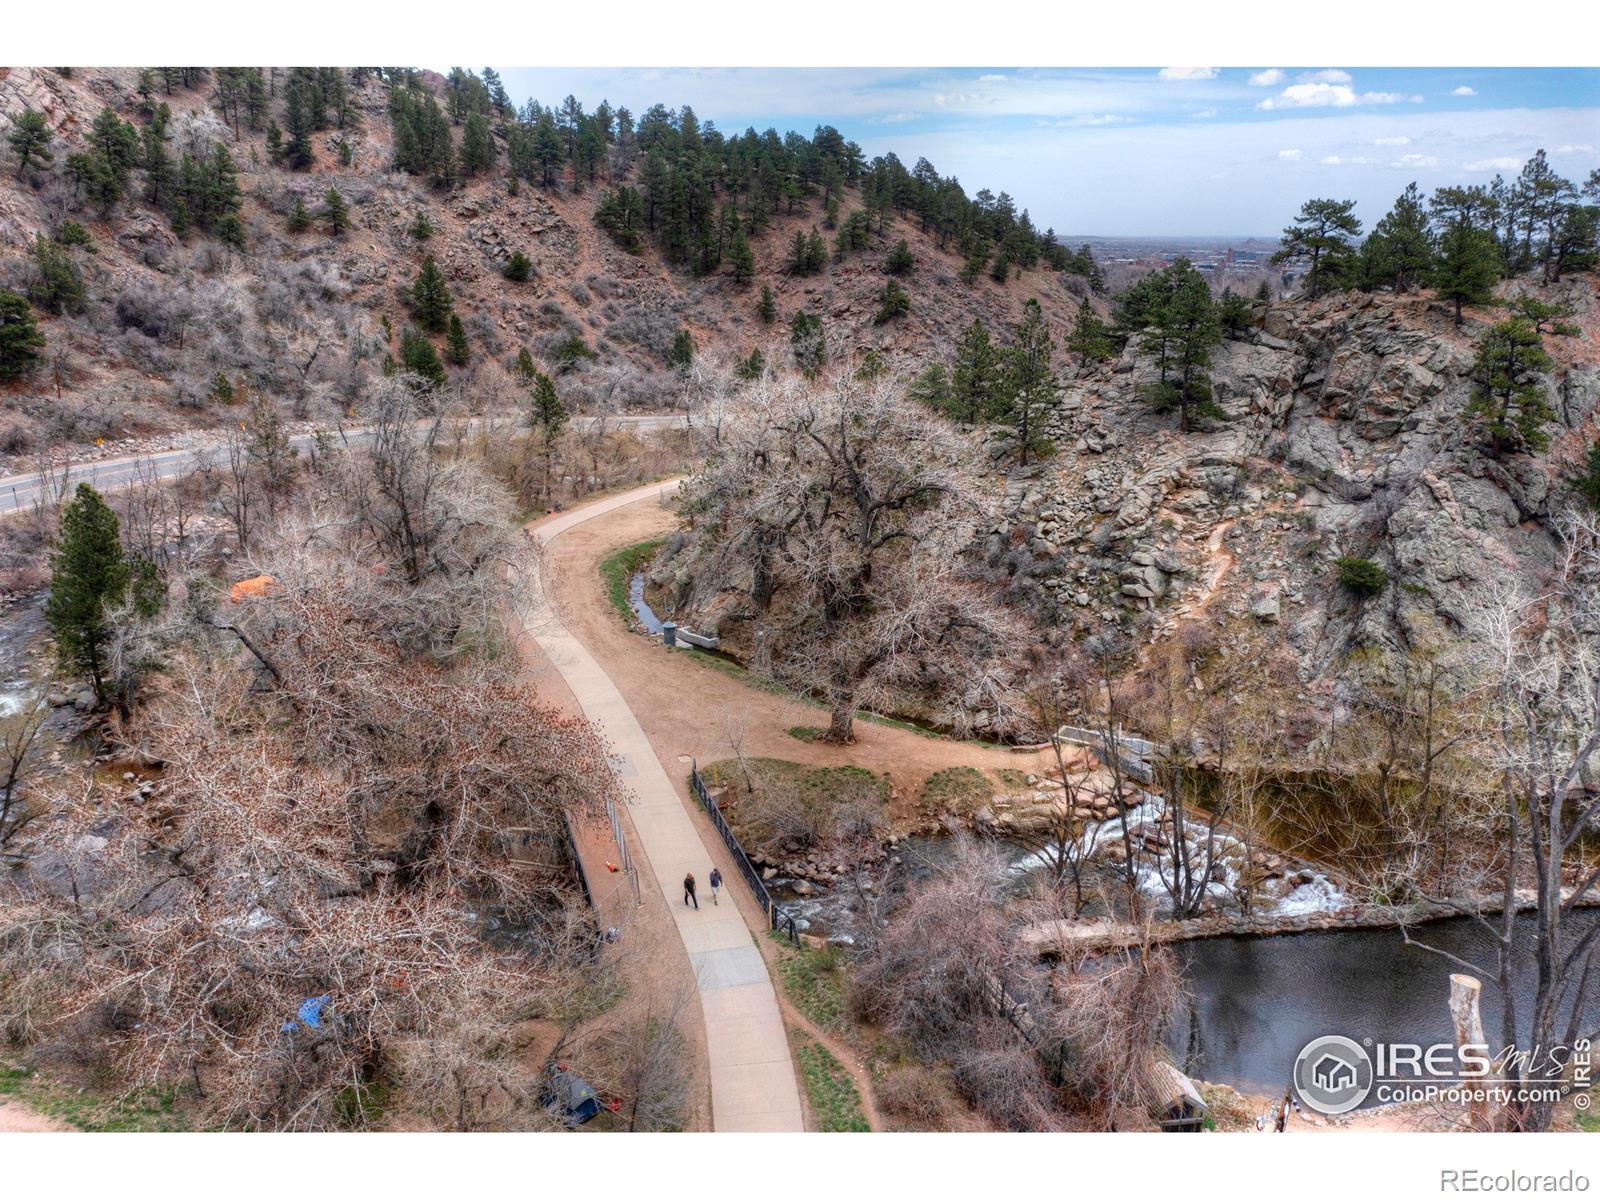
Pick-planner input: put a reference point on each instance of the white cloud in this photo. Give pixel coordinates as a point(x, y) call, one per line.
point(1493, 164)
point(1400, 140)
point(1339, 160)
point(899, 118)
point(1327, 76)
point(1328, 95)
point(1582, 148)
point(1291, 155)
point(1084, 120)
point(993, 78)
point(1464, 90)
point(1271, 77)
point(1415, 160)
point(1186, 74)
point(1202, 114)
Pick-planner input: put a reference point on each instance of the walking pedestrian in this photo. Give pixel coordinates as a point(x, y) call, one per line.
point(688, 891)
point(716, 884)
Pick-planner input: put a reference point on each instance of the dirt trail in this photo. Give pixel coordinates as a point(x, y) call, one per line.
point(1221, 559)
point(685, 706)
point(16, 1117)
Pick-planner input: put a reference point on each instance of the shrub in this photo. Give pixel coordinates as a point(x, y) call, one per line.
point(74, 234)
point(518, 268)
point(1361, 576)
point(900, 261)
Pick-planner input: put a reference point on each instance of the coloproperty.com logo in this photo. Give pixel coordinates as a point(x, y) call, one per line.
point(1334, 1074)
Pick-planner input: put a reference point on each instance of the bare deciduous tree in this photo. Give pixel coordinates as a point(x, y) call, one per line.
point(848, 513)
point(1540, 745)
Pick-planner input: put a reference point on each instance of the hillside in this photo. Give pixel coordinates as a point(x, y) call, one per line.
point(301, 316)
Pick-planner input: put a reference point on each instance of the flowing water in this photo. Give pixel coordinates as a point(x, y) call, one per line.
point(641, 607)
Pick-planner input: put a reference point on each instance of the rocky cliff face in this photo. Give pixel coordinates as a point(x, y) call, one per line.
point(1345, 435)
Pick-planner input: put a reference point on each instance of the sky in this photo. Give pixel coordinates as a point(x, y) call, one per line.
point(1174, 151)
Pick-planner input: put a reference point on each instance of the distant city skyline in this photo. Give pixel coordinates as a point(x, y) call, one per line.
point(1175, 151)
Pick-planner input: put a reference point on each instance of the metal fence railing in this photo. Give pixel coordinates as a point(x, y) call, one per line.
point(625, 859)
point(776, 917)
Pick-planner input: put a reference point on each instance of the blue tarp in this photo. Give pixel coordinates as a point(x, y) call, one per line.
point(310, 1013)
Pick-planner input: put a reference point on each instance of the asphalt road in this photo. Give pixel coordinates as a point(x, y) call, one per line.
point(20, 492)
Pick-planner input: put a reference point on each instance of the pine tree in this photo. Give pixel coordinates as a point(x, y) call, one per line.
point(20, 337)
point(430, 298)
point(1030, 381)
point(807, 342)
point(230, 231)
point(57, 285)
point(900, 261)
point(456, 351)
point(1233, 313)
point(932, 388)
point(518, 267)
point(525, 368)
point(1468, 267)
point(1183, 327)
point(1400, 251)
point(89, 575)
point(274, 144)
point(477, 146)
point(1323, 231)
point(1090, 340)
point(1509, 403)
point(160, 180)
point(767, 307)
point(335, 212)
point(740, 256)
point(893, 302)
point(299, 154)
point(816, 253)
point(419, 357)
point(682, 352)
point(30, 141)
point(976, 382)
point(421, 227)
point(299, 220)
point(1587, 482)
point(752, 366)
point(871, 367)
point(547, 417)
point(1000, 272)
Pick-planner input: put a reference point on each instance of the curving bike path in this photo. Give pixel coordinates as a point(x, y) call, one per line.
point(752, 1077)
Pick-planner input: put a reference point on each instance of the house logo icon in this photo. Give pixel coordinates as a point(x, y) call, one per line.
point(1332, 1075)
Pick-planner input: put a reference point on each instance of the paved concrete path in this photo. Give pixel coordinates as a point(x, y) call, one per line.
point(752, 1077)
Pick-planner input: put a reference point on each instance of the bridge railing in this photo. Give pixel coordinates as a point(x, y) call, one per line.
point(776, 917)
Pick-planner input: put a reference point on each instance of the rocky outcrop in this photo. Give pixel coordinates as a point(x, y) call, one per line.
point(1345, 434)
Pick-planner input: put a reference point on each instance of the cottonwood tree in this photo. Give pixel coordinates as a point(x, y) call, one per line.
point(1053, 689)
point(1539, 739)
point(847, 513)
point(19, 734)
